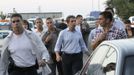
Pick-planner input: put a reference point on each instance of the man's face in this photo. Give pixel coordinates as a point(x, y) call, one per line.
point(50, 23)
point(97, 23)
point(79, 20)
point(17, 25)
point(38, 23)
point(25, 25)
point(102, 21)
point(72, 23)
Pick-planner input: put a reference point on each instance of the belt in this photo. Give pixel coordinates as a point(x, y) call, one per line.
point(24, 68)
point(72, 54)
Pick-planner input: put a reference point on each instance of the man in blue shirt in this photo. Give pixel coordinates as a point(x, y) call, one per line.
point(72, 46)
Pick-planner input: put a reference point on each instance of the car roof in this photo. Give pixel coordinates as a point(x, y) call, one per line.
point(123, 47)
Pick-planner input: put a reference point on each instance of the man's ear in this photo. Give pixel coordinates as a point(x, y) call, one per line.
point(107, 20)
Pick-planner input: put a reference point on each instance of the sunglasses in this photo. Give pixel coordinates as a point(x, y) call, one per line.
point(15, 21)
point(73, 21)
point(49, 22)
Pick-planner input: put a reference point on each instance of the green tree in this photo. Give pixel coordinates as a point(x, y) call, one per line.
point(124, 8)
point(2, 15)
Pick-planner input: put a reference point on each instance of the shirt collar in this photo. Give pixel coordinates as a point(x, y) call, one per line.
point(68, 29)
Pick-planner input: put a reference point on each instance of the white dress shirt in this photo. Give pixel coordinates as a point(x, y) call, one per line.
point(77, 28)
point(20, 48)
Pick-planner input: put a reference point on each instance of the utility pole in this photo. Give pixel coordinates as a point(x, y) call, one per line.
point(14, 11)
point(92, 5)
point(98, 5)
point(39, 9)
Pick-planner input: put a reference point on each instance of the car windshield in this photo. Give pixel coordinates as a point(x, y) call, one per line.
point(129, 66)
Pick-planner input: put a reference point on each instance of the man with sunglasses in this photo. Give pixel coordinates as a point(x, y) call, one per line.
point(23, 51)
point(71, 44)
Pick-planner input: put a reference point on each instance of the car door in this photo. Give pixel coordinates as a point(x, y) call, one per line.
point(109, 63)
point(128, 66)
point(100, 58)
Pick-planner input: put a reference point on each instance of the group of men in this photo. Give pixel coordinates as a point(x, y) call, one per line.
point(58, 48)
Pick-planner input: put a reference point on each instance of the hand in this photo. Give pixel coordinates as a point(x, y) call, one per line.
point(102, 36)
point(87, 53)
point(42, 63)
point(58, 58)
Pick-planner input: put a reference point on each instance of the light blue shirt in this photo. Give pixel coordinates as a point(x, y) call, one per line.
point(119, 24)
point(70, 42)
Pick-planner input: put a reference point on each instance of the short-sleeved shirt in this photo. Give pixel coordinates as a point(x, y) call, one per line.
point(114, 33)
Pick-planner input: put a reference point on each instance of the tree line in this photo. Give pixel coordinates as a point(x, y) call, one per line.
point(124, 8)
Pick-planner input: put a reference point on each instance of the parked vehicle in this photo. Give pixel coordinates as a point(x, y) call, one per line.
point(91, 21)
point(5, 26)
point(114, 57)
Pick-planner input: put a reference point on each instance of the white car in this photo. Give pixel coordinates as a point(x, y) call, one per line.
point(114, 57)
point(3, 35)
point(91, 21)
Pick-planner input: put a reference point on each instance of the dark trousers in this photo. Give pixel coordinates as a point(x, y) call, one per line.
point(54, 65)
point(24, 71)
point(72, 63)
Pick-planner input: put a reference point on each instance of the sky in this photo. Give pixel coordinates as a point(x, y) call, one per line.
point(68, 7)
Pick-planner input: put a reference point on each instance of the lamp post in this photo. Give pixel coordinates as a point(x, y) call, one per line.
point(92, 5)
point(98, 5)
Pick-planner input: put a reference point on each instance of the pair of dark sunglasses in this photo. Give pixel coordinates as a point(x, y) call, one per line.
point(15, 21)
point(73, 20)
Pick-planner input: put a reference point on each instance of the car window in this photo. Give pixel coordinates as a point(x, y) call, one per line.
point(95, 64)
point(129, 66)
point(90, 19)
point(110, 62)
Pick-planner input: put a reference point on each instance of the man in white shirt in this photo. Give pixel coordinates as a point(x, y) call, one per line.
point(39, 27)
point(25, 50)
point(82, 28)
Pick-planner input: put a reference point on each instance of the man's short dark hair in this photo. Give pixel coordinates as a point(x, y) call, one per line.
point(109, 8)
point(107, 15)
point(78, 16)
point(16, 15)
point(48, 18)
point(38, 19)
point(68, 18)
